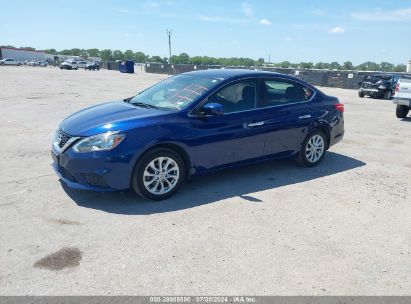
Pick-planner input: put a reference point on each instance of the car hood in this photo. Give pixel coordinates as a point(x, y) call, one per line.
point(111, 116)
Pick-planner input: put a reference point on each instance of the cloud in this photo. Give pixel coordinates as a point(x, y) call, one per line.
point(265, 22)
point(337, 30)
point(384, 15)
point(220, 19)
point(247, 9)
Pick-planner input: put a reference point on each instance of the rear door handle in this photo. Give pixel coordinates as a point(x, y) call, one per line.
point(305, 116)
point(254, 124)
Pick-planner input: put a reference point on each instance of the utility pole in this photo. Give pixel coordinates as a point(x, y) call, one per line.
point(169, 33)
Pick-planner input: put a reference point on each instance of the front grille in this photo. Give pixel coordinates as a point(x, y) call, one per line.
point(369, 85)
point(95, 180)
point(62, 138)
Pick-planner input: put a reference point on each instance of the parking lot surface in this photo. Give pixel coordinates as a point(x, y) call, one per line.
point(342, 228)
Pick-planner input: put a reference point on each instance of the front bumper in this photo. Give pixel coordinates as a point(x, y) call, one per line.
point(97, 171)
point(402, 101)
point(372, 91)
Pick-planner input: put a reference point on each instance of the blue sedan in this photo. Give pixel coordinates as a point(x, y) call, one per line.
point(191, 124)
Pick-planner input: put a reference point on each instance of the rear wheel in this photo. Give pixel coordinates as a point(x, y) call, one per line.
point(159, 174)
point(313, 149)
point(402, 111)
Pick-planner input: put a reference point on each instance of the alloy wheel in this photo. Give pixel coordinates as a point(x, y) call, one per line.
point(314, 148)
point(161, 175)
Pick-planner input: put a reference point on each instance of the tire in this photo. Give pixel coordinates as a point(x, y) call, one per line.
point(316, 142)
point(153, 184)
point(388, 95)
point(402, 111)
point(361, 94)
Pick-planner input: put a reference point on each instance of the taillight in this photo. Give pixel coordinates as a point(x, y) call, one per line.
point(397, 87)
point(340, 107)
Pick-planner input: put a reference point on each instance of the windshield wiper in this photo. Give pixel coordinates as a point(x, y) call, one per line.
point(144, 105)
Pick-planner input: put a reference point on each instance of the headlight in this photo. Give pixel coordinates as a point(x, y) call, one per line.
point(100, 142)
point(382, 87)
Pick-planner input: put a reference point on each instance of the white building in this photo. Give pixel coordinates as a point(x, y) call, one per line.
point(21, 55)
point(409, 67)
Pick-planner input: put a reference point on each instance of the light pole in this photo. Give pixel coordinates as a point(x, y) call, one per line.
point(169, 33)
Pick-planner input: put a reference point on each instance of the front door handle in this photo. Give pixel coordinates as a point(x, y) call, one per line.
point(254, 124)
point(305, 116)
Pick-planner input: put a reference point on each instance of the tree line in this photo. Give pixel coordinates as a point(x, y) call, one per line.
point(184, 58)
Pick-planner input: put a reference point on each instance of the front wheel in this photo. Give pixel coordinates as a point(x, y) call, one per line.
point(361, 94)
point(313, 149)
point(402, 111)
point(159, 174)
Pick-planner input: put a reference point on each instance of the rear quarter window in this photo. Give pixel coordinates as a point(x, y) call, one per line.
point(280, 92)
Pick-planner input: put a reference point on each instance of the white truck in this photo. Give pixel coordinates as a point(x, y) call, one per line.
point(9, 61)
point(402, 96)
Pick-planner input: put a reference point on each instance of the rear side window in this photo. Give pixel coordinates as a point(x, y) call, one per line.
point(281, 92)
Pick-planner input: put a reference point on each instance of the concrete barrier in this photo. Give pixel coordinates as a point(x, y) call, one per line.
point(324, 78)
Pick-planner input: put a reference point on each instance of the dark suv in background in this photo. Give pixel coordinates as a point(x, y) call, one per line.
point(378, 86)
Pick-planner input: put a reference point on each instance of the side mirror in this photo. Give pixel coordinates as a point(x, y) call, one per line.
point(213, 108)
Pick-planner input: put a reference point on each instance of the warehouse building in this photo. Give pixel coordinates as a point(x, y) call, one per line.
point(21, 55)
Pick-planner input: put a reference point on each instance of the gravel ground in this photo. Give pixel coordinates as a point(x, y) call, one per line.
point(342, 228)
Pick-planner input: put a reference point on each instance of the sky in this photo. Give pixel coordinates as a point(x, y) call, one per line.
point(293, 30)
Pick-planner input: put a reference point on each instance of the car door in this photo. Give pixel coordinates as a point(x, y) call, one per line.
point(285, 114)
point(233, 136)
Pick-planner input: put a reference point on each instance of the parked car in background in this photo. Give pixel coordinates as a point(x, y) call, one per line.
point(69, 65)
point(378, 86)
point(10, 61)
point(92, 66)
point(402, 96)
point(43, 63)
point(82, 64)
point(33, 63)
point(195, 123)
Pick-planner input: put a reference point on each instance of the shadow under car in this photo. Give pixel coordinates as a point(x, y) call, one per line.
point(228, 183)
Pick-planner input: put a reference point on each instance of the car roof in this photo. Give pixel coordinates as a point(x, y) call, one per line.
point(234, 73)
point(228, 75)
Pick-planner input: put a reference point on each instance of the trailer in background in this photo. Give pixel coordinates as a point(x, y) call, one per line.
point(21, 55)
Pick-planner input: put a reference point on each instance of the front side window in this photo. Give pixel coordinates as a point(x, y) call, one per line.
point(237, 97)
point(176, 92)
point(282, 92)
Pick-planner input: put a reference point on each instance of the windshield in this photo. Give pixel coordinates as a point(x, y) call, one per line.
point(176, 92)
